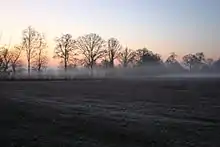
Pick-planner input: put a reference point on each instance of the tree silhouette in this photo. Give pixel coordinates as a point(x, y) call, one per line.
point(207, 65)
point(32, 41)
point(172, 63)
point(194, 61)
point(189, 60)
point(171, 59)
point(89, 49)
point(5, 58)
point(105, 63)
point(113, 50)
point(40, 61)
point(15, 57)
point(144, 56)
point(65, 50)
point(10, 58)
point(127, 56)
point(92, 48)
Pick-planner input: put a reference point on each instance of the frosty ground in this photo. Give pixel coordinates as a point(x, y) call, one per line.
point(110, 112)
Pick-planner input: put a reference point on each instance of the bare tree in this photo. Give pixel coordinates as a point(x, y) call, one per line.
point(145, 56)
point(194, 61)
point(91, 46)
point(113, 50)
point(10, 58)
point(5, 58)
point(15, 57)
point(40, 61)
point(32, 41)
point(188, 60)
point(207, 66)
point(171, 59)
point(64, 50)
point(173, 64)
point(127, 56)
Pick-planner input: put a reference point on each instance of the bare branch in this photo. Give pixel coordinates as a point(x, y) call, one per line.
point(65, 49)
point(32, 42)
point(91, 46)
point(113, 50)
point(40, 61)
point(127, 56)
point(10, 57)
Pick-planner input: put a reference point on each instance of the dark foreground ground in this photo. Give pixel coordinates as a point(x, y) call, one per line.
point(110, 113)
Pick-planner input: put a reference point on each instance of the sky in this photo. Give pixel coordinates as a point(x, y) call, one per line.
point(163, 26)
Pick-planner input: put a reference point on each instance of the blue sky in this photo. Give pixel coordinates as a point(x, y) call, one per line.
point(161, 25)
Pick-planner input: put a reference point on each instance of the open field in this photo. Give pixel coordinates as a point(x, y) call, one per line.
point(110, 113)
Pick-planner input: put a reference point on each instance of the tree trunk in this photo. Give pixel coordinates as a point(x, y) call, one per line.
point(29, 52)
point(65, 60)
point(65, 64)
point(14, 69)
point(29, 68)
point(39, 68)
point(125, 64)
point(111, 63)
point(91, 69)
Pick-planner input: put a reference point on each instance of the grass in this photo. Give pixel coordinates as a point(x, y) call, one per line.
point(110, 112)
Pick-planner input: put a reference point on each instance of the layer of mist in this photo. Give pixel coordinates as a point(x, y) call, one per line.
point(124, 73)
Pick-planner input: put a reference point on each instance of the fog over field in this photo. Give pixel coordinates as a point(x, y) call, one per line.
point(128, 73)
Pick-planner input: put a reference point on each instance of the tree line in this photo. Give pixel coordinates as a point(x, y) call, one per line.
point(90, 51)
